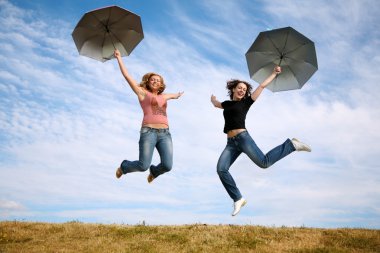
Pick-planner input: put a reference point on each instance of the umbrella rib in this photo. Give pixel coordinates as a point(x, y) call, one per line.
point(98, 19)
point(294, 74)
point(104, 38)
point(297, 60)
point(283, 48)
point(111, 32)
point(278, 50)
point(125, 16)
point(117, 21)
point(108, 30)
point(291, 70)
point(286, 41)
point(114, 35)
point(104, 25)
point(295, 49)
point(117, 39)
point(109, 17)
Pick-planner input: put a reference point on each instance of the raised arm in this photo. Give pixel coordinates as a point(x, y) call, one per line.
point(132, 83)
point(173, 95)
point(255, 95)
point(215, 102)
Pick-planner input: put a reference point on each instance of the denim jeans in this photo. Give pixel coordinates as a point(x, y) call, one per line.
point(151, 138)
point(243, 143)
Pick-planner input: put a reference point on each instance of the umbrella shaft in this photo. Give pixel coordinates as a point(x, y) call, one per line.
point(109, 34)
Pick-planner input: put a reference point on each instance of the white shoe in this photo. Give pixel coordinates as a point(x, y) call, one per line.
point(300, 146)
point(238, 205)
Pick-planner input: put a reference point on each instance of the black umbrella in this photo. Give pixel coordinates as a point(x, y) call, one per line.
point(287, 48)
point(101, 31)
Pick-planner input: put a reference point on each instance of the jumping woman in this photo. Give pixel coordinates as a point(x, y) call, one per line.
point(154, 131)
point(238, 139)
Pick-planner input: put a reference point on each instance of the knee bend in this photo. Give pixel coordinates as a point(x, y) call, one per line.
point(264, 165)
point(221, 170)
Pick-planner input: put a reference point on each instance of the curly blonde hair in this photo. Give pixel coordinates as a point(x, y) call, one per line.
point(145, 82)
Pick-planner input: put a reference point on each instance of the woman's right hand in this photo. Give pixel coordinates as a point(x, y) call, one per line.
point(215, 102)
point(213, 98)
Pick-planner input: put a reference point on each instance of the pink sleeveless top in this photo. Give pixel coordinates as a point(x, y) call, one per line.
point(154, 108)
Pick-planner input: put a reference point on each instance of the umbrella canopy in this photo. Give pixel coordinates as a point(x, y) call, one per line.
point(101, 31)
point(287, 48)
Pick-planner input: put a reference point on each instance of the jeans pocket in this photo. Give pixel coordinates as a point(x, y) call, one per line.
point(144, 130)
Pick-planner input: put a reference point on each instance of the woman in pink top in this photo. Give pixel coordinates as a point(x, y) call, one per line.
point(154, 132)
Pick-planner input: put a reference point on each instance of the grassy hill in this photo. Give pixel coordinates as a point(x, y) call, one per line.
point(28, 237)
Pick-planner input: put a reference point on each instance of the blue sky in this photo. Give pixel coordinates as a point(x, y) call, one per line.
point(67, 121)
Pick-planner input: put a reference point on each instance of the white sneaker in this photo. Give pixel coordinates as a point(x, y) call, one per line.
point(238, 205)
point(300, 146)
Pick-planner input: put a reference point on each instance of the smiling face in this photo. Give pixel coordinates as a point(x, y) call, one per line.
point(239, 91)
point(155, 83)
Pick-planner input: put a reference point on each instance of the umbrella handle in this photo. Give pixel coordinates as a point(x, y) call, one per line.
point(279, 64)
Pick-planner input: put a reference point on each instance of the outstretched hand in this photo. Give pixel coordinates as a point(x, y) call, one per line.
point(173, 95)
point(180, 94)
point(215, 102)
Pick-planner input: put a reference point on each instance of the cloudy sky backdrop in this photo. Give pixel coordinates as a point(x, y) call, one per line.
point(67, 121)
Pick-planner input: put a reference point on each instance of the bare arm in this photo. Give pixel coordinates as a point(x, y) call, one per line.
point(132, 83)
point(215, 102)
point(173, 95)
point(255, 95)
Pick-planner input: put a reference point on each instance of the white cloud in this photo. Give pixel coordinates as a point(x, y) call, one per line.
point(10, 205)
point(9, 76)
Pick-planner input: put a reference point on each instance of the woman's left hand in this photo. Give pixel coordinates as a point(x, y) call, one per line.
point(180, 94)
point(116, 53)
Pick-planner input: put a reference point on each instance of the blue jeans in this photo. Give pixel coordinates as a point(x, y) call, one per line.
point(151, 138)
point(243, 143)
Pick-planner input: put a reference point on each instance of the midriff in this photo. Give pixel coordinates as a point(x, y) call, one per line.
point(235, 132)
point(156, 126)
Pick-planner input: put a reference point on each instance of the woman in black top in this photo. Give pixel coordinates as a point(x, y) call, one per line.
point(238, 139)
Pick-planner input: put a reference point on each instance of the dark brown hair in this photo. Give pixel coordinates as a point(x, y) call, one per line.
point(233, 83)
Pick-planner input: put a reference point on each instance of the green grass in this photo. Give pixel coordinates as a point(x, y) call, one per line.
point(80, 237)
